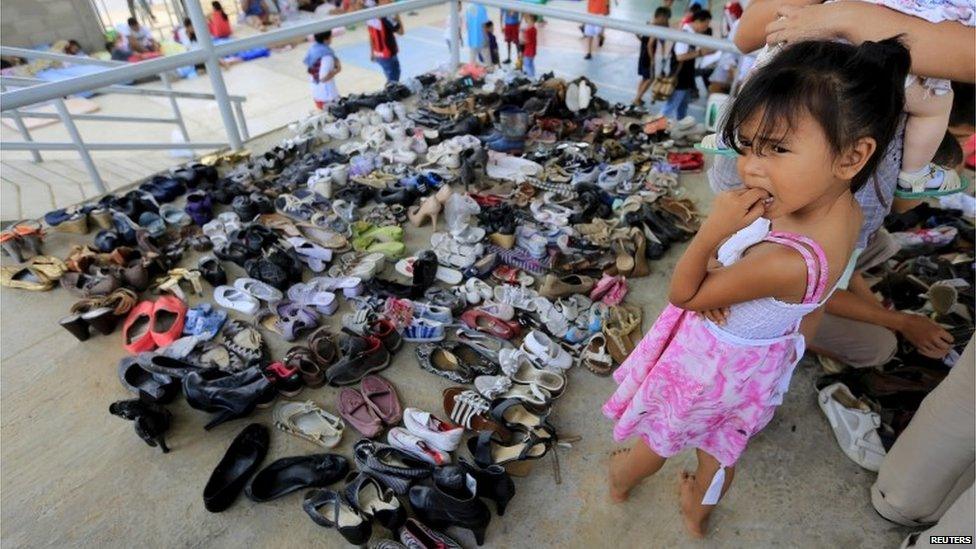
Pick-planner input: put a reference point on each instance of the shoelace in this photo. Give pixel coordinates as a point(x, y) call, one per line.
point(467, 405)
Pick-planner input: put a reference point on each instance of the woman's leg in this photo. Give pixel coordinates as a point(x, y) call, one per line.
point(927, 122)
point(693, 488)
point(629, 466)
point(642, 87)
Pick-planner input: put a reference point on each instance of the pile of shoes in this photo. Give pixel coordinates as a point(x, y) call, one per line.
point(931, 275)
point(542, 205)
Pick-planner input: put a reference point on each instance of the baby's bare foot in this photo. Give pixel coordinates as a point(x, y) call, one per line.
point(691, 510)
point(618, 489)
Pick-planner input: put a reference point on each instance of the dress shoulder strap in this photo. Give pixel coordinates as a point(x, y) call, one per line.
point(816, 262)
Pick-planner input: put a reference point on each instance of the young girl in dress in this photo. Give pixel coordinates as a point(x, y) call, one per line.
point(712, 370)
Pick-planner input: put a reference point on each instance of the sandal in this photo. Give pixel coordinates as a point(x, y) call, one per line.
point(466, 408)
point(308, 421)
point(595, 357)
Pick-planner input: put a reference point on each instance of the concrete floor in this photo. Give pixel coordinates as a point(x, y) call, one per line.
point(75, 476)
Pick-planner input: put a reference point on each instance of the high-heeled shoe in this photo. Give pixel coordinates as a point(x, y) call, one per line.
point(150, 421)
point(229, 396)
point(641, 268)
point(452, 500)
point(429, 207)
point(625, 262)
point(444, 193)
point(493, 483)
point(518, 457)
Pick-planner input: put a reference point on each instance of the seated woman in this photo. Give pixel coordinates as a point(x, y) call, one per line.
point(257, 13)
point(218, 22)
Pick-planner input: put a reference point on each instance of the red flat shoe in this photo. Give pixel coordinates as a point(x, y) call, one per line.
point(136, 334)
point(484, 322)
point(686, 161)
point(168, 317)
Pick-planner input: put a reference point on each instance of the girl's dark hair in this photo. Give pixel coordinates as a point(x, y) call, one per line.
point(851, 91)
point(218, 8)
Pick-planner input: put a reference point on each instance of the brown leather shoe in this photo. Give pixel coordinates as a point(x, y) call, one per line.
point(554, 286)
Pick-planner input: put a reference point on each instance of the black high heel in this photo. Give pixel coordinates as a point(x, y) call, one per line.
point(452, 500)
point(150, 421)
point(494, 483)
point(228, 397)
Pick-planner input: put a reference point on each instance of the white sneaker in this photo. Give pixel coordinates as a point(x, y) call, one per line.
point(854, 424)
point(395, 130)
point(400, 438)
point(385, 110)
point(519, 297)
point(321, 182)
point(399, 156)
point(476, 291)
point(338, 130)
point(430, 428)
point(545, 352)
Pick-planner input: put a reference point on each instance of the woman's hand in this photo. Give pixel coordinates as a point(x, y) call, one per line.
point(733, 210)
point(799, 23)
point(718, 316)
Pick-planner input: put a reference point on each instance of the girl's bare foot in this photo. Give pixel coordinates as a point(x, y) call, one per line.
point(691, 509)
point(618, 491)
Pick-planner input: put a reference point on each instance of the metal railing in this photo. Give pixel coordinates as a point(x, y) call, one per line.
point(209, 54)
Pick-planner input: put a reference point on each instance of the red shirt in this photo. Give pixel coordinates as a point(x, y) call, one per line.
point(598, 7)
point(219, 26)
point(528, 44)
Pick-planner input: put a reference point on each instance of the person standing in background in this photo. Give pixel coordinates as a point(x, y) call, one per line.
point(447, 31)
point(475, 19)
point(683, 65)
point(493, 57)
point(529, 39)
point(648, 51)
point(596, 7)
point(510, 30)
point(382, 41)
point(324, 71)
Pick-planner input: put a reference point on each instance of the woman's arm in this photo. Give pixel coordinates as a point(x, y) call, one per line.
point(938, 50)
point(750, 35)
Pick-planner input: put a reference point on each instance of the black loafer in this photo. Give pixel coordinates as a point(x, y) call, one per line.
point(291, 474)
point(268, 272)
point(244, 208)
point(239, 462)
point(212, 271)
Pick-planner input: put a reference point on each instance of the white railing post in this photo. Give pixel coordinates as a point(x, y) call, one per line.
point(69, 125)
point(455, 24)
point(239, 109)
point(205, 42)
point(22, 128)
point(177, 113)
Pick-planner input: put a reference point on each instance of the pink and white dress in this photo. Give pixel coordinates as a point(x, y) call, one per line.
point(693, 384)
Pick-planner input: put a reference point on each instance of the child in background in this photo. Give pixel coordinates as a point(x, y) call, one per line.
point(323, 66)
point(218, 22)
point(718, 360)
point(510, 30)
point(529, 39)
point(492, 44)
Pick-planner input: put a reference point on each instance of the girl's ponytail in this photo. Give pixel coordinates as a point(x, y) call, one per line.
point(889, 57)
